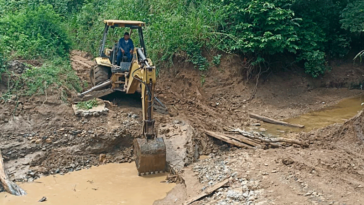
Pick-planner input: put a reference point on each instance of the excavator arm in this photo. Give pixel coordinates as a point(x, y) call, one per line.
point(150, 151)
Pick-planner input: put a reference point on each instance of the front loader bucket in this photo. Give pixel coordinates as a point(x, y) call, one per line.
point(150, 155)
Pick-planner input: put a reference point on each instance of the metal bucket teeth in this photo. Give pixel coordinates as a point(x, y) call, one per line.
point(150, 156)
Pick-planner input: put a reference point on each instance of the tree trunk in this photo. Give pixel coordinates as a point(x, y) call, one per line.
point(273, 121)
point(7, 184)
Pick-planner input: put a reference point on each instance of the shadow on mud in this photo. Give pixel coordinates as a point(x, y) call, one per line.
point(124, 100)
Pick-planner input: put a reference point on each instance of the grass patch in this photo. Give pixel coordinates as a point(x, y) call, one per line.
point(87, 105)
point(57, 73)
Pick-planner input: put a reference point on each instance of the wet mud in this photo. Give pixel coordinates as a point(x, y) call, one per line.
point(107, 184)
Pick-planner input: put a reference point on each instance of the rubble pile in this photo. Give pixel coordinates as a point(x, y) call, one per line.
point(216, 168)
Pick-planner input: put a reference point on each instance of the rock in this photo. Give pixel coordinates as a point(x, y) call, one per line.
point(262, 129)
point(251, 198)
point(176, 122)
point(43, 199)
point(287, 161)
point(134, 116)
point(38, 141)
point(246, 194)
point(30, 173)
point(48, 140)
point(180, 145)
point(17, 66)
point(234, 194)
point(102, 158)
point(30, 179)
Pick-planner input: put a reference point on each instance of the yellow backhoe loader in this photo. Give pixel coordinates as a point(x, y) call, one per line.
point(107, 77)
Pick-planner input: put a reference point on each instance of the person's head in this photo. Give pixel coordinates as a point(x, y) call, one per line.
point(126, 36)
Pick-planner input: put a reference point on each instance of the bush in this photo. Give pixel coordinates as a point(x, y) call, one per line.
point(2, 64)
point(34, 33)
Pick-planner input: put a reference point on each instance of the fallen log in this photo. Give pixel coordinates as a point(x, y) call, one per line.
point(227, 139)
point(208, 191)
point(273, 121)
point(7, 184)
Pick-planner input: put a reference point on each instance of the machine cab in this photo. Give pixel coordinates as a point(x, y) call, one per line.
point(108, 57)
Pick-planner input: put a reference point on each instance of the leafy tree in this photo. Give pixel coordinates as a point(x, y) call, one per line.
point(353, 17)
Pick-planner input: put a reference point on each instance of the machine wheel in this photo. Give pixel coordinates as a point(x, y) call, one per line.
point(99, 74)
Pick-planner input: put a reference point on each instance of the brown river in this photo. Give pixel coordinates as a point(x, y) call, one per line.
point(109, 184)
point(338, 113)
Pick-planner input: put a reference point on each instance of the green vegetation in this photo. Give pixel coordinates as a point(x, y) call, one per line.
point(37, 80)
point(36, 32)
point(87, 105)
point(310, 32)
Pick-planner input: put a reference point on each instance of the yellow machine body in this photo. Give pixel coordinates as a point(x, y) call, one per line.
point(150, 151)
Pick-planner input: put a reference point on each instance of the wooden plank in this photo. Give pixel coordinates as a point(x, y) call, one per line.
point(243, 139)
point(208, 191)
point(273, 121)
point(227, 139)
point(8, 185)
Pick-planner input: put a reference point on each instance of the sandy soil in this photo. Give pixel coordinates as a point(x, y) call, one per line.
point(43, 136)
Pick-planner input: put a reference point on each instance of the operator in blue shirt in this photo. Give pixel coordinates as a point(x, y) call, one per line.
point(126, 47)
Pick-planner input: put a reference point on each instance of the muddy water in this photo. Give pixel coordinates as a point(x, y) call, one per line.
point(107, 184)
point(338, 113)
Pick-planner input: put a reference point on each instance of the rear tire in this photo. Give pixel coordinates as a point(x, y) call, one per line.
point(99, 74)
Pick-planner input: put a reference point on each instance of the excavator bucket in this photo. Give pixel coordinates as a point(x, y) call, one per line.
point(150, 155)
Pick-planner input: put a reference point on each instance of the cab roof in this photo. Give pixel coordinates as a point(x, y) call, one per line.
point(124, 23)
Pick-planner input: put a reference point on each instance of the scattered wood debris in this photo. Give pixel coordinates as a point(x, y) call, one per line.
point(252, 139)
point(208, 191)
point(231, 140)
